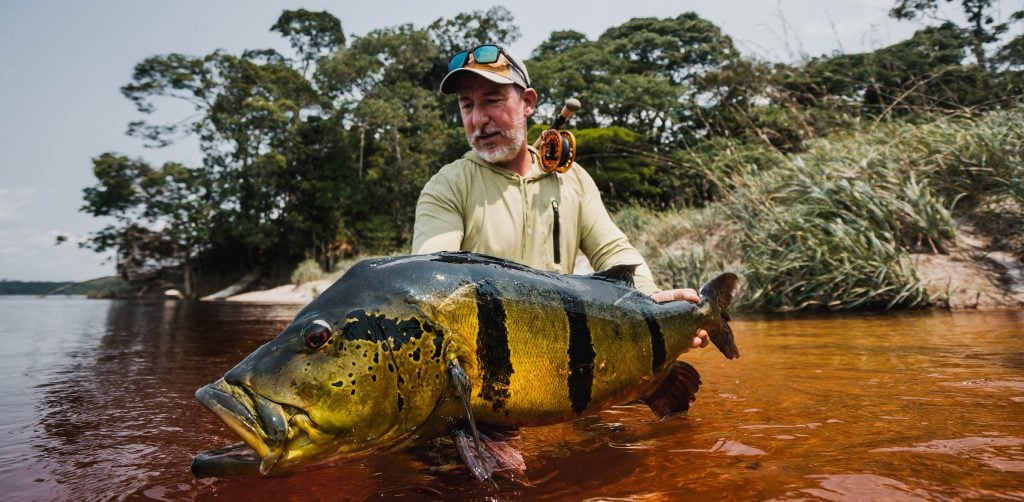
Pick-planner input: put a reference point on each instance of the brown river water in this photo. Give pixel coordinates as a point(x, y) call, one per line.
point(97, 404)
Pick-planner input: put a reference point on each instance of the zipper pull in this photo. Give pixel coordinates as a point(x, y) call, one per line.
point(556, 230)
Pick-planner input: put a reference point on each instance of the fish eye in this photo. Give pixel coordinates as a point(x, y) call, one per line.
point(316, 334)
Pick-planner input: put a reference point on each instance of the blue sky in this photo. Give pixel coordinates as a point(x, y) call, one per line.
point(62, 63)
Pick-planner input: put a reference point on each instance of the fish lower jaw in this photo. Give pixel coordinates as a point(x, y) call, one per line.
point(268, 455)
point(248, 434)
point(246, 413)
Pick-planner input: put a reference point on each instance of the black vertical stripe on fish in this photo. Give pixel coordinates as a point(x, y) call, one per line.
point(581, 353)
point(657, 341)
point(492, 348)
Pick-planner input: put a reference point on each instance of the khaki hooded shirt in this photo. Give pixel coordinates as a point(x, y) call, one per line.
point(542, 220)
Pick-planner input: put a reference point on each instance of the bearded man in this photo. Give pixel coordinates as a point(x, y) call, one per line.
point(498, 201)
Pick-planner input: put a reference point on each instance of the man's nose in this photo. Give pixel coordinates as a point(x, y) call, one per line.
point(480, 117)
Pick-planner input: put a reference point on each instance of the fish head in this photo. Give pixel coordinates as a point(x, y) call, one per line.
point(329, 388)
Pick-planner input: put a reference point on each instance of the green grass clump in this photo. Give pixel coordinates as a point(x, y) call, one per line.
point(832, 228)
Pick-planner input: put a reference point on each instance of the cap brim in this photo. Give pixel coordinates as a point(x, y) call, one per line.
point(452, 79)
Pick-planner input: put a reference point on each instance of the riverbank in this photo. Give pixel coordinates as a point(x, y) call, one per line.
point(969, 276)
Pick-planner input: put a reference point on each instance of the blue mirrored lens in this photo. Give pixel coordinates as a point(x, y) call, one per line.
point(458, 60)
point(486, 54)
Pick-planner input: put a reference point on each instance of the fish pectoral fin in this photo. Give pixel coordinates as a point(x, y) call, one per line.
point(492, 457)
point(469, 449)
point(676, 392)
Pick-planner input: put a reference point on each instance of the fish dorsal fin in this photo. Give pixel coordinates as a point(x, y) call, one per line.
point(618, 273)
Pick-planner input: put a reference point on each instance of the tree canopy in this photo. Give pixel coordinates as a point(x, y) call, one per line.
point(327, 147)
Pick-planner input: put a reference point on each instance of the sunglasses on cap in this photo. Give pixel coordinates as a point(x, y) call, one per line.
point(487, 54)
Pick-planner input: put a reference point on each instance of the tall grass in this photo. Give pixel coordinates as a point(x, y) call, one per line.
point(833, 228)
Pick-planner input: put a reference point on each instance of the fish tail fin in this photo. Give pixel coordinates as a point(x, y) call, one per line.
point(718, 294)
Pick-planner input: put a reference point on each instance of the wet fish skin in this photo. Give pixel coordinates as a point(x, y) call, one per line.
point(537, 347)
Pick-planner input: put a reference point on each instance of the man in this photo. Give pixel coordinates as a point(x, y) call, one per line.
point(497, 200)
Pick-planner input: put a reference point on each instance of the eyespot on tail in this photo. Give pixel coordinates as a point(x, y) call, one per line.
point(718, 292)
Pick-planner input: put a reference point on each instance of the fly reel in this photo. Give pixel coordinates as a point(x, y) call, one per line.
point(557, 150)
point(557, 147)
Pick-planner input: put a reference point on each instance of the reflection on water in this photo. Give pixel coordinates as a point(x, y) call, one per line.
point(98, 401)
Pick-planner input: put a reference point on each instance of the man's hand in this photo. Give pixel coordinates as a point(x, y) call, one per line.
point(689, 294)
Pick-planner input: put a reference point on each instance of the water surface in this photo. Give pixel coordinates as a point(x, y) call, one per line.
point(97, 402)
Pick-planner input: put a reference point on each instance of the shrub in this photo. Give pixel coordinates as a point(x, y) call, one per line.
point(306, 271)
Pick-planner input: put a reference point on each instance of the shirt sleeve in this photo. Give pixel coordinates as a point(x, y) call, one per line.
point(602, 241)
point(439, 221)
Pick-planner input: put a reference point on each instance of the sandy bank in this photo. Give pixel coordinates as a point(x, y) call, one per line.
point(971, 276)
point(288, 293)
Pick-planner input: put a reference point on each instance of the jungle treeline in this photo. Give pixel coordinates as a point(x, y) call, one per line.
point(321, 152)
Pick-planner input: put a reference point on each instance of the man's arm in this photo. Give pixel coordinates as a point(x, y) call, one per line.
point(606, 245)
point(439, 224)
point(602, 241)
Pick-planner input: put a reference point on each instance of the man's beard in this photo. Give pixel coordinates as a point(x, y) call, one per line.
point(515, 137)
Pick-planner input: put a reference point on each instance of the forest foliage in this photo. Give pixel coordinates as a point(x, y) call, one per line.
point(321, 152)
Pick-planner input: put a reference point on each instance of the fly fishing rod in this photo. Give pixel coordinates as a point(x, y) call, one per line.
point(558, 148)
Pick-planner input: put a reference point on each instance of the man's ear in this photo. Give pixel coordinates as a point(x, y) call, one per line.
point(530, 98)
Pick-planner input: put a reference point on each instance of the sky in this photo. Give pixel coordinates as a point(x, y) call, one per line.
point(62, 63)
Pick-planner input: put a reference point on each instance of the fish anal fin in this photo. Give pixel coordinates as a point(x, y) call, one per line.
point(676, 392)
point(618, 273)
point(494, 457)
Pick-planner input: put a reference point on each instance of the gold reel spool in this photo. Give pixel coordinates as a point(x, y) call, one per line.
point(557, 150)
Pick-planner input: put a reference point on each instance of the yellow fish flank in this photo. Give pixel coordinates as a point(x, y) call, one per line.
point(409, 348)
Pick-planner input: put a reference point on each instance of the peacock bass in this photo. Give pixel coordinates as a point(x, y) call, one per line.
point(409, 348)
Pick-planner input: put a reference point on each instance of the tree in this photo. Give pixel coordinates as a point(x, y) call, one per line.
point(250, 114)
point(982, 26)
point(559, 42)
point(1012, 54)
point(464, 32)
point(385, 84)
point(922, 74)
point(162, 216)
point(646, 75)
point(679, 48)
point(312, 34)
point(470, 29)
point(624, 166)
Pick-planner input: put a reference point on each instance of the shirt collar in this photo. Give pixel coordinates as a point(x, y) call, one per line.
point(535, 171)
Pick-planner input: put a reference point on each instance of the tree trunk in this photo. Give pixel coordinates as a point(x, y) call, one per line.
point(189, 280)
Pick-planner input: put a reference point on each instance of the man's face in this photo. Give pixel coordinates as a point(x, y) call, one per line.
point(494, 116)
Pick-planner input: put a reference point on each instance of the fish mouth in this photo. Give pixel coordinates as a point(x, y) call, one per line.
point(262, 424)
